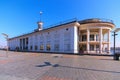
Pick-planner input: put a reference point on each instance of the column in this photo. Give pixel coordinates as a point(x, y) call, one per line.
point(88, 38)
point(25, 43)
point(108, 46)
point(75, 47)
point(103, 47)
point(100, 36)
point(95, 47)
point(80, 37)
point(94, 37)
point(103, 38)
point(22, 43)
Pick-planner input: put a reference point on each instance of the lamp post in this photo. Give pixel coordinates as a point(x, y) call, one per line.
point(114, 35)
point(6, 37)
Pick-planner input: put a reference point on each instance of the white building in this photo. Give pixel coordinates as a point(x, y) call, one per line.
point(78, 37)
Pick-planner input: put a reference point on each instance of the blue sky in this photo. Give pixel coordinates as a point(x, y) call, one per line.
point(20, 16)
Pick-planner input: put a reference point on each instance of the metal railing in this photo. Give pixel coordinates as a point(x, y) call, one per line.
point(93, 20)
point(62, 22)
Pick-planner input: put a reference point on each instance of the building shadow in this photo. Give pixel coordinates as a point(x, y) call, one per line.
point(88, 69)
point(45, 64)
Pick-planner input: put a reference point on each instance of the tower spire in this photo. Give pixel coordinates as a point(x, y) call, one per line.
point(40, 23)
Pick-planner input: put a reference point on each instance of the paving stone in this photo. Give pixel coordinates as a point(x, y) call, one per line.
point(43, 66)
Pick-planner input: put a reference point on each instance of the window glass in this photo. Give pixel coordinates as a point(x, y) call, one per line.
point(97, 47)
point(36, 47)
point(97, 37)
point(30, 47)
point(48, 47)
point(84, 38)
point(27, 41)
point(91, 47)
point(91, 37)
point(56, 47)
point(84, 47)
point(41, 47)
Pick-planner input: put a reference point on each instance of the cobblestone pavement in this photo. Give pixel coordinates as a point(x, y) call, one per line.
point(42, 66)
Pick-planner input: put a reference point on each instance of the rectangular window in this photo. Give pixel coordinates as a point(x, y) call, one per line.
point(27, 41)
point(91, 37)
point(97, 37)
point(48, 47)
point(41, 47)
point(20, 42)
point(26, 47)
point(20, 47)
point(23, 43)
point(56, 47)
point(84, 38)
point(91, 47)
point(30, 47)
point(97, 47)
point(84, 47)
point(36, 47)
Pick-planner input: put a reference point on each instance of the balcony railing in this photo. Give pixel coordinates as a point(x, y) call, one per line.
point(105, 40)
point(96, 20)
point(63, 22)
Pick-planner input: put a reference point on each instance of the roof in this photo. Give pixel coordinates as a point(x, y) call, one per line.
point(92, 20)
point(49, 27)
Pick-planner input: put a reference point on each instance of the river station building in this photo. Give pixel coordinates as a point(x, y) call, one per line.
point(91, 36)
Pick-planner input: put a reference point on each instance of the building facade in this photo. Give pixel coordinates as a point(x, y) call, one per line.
point(78, 37)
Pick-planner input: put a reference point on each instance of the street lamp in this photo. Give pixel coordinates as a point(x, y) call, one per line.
point(114, 35)
point(117, 29)
point(6, 37)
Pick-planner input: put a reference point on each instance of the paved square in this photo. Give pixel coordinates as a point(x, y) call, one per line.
point(43, 66)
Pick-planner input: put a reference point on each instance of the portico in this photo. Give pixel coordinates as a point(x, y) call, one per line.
point(96, 40)
point(95, 37)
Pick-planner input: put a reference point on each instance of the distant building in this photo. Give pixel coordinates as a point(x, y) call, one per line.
point(85, 36)
point(117, 49)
